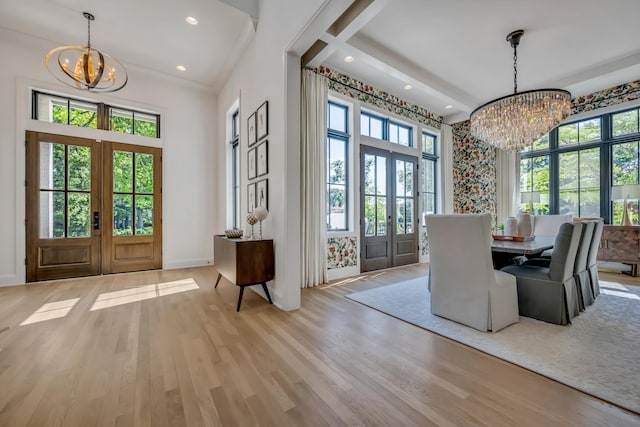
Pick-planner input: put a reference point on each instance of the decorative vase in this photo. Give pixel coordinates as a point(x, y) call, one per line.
point(525, 224)
point(510, 226)
point(252, 220)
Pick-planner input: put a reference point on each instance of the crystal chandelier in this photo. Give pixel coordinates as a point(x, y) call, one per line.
point(515, 121)
point(86, 68)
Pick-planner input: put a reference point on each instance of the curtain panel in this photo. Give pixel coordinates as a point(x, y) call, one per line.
point(314, 103)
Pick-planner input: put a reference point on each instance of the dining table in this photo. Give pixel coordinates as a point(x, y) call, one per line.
point(503, 251)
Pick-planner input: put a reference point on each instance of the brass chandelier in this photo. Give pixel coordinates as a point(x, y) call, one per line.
point(86, 68)
point(515, 121)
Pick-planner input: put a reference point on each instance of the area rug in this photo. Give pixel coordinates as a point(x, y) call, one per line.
point(598, 354)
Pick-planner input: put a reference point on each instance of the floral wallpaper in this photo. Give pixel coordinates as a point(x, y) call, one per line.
point(363, 92)
point(342, 252)
point(605, 98)
point(474, 162)
point(424, 242)
point(474, 173)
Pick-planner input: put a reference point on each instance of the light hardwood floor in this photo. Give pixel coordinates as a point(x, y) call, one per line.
point(165, 348)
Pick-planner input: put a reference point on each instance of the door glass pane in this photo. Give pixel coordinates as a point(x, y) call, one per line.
point(400, 178)
point(381, 216)
point(52, 166)
point(79, 168)
point(408, 179)
point(122, 171)
point(381, 175)
point(369, 215)
point(52, 215)
point(122, 215)
point(144, 215)
point(369, 174)
point(408, 216)
point(144, 173)
point(400, 215)
point(79, 215)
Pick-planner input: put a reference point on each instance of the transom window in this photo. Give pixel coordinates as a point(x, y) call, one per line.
point(53, 108)
point(389, 130)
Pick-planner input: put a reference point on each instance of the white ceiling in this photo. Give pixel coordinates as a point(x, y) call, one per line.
point(452, 52)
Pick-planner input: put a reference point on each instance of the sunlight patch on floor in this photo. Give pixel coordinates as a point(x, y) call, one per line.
point(620, 294)
point(51, 310)
point(144, 292)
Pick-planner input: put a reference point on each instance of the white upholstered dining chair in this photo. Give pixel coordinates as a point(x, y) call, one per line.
point(464, 286)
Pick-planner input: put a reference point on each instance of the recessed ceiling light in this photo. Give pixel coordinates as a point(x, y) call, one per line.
point(448, 107)
point(181, 68)
point(348, 58)
point(191, 20)
point(408, 87)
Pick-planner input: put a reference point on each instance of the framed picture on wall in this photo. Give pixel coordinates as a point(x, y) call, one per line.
point(251, 129)
point(262, 193)
point(262, 158)
point(262, 121)
point(251, 163)
point(251, 197)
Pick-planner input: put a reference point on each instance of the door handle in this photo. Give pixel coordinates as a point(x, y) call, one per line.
point(96, 220)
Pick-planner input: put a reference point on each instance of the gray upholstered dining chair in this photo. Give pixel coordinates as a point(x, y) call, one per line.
point(581, 267)
point(549, 293)
point(592, 259)
point(464, 286)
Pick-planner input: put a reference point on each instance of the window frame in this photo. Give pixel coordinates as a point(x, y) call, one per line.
point(235, 167)
point(434, 158)
point(103, 111)
point(345, 137)
point(386, 124)
point(606, 143)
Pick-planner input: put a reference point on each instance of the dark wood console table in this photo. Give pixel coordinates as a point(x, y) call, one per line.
point(244, 262)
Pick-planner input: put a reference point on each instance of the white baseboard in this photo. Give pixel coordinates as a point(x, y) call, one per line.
point(340, 273)
point(185, 263)
point(10, 280)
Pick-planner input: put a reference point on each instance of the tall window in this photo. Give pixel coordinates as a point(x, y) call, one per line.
point(385, 129)
point(337, 167)
point(235, 167)
point(575, 166)
point(428, 176)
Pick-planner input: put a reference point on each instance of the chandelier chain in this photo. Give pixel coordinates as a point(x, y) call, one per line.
point(89, 33)
point(515, 69)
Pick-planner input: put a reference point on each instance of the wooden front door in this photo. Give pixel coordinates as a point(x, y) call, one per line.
point(132, 208)
point(62, 207)
point(92, 207)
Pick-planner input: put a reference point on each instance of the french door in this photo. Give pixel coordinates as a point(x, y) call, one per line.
point(91, 207)
point(388, 226)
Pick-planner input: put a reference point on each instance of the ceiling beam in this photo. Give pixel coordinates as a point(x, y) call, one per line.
point(398, 66)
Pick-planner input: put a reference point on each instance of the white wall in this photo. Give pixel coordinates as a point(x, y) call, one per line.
point(188, 130)
point(266, 72)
